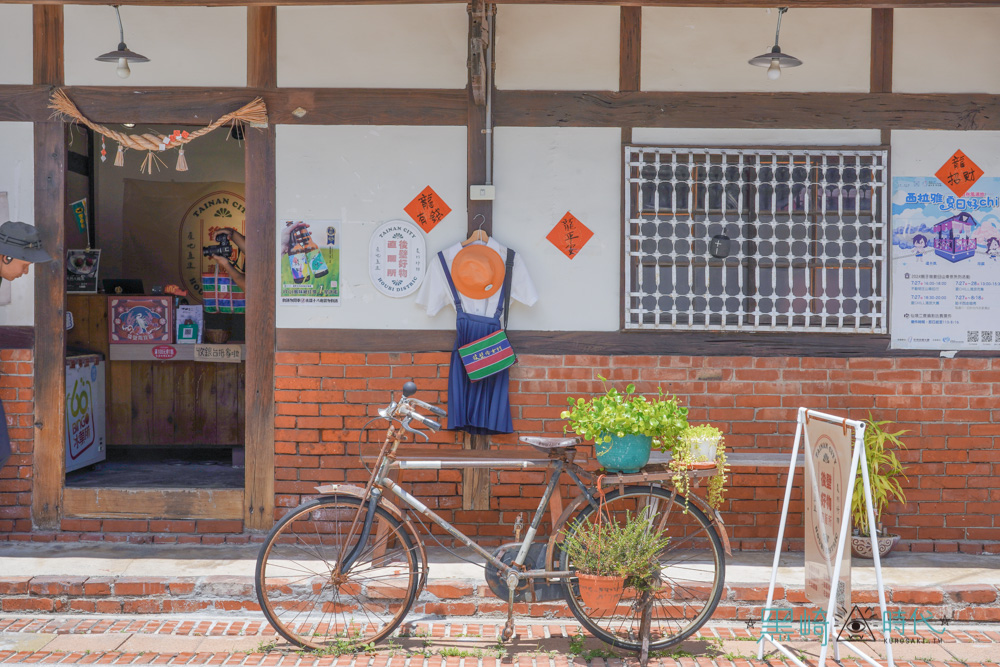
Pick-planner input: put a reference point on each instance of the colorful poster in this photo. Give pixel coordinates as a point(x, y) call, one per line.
point(828, 473)
point(569, 235)
point(946, 261)
point(397, 258)
point(79, 210)
point(309, 264)
point(81, 270)
point(427, 209)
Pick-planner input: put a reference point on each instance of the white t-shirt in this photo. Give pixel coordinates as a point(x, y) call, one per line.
point(435, 294)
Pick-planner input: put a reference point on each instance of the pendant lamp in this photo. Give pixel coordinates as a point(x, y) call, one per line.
point(774, 59)
point(121, 55)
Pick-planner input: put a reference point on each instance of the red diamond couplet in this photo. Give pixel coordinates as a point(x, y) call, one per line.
point(427, 209)
point(959, 173)
point(569, 235)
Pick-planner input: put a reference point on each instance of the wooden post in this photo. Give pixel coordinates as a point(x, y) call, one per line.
point(881, 59)
point(476, 481)
point(261, 246)
point(50, 286)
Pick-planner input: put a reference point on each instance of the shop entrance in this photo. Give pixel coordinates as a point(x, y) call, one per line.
point(174, 424)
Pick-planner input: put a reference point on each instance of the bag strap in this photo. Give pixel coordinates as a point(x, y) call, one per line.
point(451, 283)
point(504, 305)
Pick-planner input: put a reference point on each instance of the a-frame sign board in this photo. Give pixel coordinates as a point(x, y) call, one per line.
point(827, 481)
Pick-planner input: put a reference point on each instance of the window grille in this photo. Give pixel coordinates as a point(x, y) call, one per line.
point(755, 239)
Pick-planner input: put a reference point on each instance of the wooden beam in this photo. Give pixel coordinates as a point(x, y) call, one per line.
point(48, 44)
point(153, 504)
point(881, 58)
point(746, 110)
point(521, 108)
point(50, 327)
point(609, 343)
point(630, 48)
point(261, 244)
point(262, 47)
point(802, 4)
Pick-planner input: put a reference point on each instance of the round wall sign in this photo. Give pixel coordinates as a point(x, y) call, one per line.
point(397, 258)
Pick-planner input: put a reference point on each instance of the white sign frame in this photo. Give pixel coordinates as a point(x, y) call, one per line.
point(859, 455)
point(378, 254)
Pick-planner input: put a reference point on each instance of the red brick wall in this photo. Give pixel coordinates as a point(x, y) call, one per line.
point(948, 406)
point(17, 394)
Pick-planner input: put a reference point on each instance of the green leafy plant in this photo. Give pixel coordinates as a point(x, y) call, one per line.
point(626, 413)
point(884, 473)
point(627, 549)
point(685, 455)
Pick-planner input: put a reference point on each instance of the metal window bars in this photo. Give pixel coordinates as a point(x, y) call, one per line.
point(756, 239)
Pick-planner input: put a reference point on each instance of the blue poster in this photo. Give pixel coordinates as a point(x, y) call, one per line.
point(945, 265)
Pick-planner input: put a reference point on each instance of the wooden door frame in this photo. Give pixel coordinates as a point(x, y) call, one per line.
point(47, 501)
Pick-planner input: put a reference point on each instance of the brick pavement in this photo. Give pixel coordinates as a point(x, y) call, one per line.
point(454, 642)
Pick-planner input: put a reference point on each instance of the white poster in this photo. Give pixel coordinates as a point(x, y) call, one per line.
point(828, 470)
point(946, 259)
point(397, 258)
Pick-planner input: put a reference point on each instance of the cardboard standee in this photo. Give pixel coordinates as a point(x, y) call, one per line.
point(858, 455)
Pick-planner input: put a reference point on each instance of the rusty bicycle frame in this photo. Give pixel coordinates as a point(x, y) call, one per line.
point(559, 460)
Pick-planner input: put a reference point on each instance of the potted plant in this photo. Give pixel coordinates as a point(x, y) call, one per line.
point(609, 556)
point(700, 448)
point(625, 425)
point(884, 473)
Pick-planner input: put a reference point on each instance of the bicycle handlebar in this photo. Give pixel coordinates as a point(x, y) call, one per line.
point(405, 411)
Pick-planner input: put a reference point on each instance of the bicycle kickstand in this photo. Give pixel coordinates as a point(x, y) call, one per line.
point(508, 629)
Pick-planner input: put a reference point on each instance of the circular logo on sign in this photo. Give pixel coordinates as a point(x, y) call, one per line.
point(164, 352)
point(202, 221)
point(397, 258)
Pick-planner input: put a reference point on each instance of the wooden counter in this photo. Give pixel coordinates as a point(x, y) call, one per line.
point(180, 403)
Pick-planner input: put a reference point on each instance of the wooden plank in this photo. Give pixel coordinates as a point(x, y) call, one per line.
point(99, 324)
point(476, 481)
point(163, 415)
point(79, 335)
point(881, 58)
point(262, 47)
point(119, 379)
point(259, 395)
point(805, 4)
point(47, 44)
point(50, 327)
point(142, 403)
point(205, 407)
point(745, 110)
point(480, 211)
point(17, 338)
point(181, 351)
point(184, 404)
point(241, 406)
point(227, 409)
point(630, 45)
point(154, 503)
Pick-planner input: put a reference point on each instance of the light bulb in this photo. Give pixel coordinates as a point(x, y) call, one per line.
point(122, 70)
point(774, 71)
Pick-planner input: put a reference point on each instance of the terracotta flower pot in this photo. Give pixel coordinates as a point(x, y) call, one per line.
point(599, 592)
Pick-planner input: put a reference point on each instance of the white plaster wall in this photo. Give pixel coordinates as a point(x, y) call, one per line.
point(540, 174)
point(547, 47)
point(397, 46)
point(922, 152)
point(15, 45)
point(708, 49)
point(946, 50)
point(659, 136)
point(187, 46)
point(17, 179)
point(363, 176)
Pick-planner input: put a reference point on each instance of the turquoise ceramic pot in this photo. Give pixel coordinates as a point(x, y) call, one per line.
point(628, 453)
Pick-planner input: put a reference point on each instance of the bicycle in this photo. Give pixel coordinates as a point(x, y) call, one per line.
point(345, 568)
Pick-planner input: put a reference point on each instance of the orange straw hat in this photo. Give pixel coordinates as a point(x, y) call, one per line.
point(477, 271)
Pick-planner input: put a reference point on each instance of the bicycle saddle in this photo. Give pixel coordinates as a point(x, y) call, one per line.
point(548, 444)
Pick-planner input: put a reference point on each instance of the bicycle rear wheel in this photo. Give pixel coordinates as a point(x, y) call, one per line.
point(309, 602)
point(692, 571)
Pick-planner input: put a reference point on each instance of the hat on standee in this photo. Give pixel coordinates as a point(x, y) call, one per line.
point(21, 241)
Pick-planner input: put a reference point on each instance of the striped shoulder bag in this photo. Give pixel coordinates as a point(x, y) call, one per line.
point(492, 353)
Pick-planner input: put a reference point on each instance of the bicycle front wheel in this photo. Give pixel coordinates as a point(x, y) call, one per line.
point(310, 602)
point(691, 571)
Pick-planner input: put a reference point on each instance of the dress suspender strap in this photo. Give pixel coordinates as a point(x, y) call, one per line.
point(451, 283)
point(504, 304)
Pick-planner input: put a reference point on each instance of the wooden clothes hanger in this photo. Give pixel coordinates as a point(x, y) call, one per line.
point(478, 235)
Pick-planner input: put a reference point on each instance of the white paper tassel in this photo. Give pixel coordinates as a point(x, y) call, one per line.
point(182, 164)
point(120, 157)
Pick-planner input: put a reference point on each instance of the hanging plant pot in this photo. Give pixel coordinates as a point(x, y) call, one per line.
point(599, 592)
point(704, 449)
point(627, 453)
